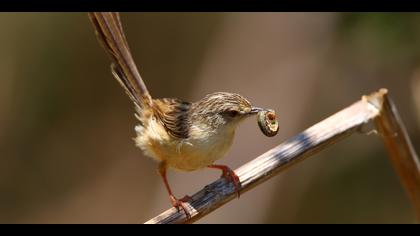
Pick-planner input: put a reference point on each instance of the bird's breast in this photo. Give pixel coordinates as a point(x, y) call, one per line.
point(201, 149)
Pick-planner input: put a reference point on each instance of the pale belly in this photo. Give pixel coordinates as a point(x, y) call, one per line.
point(186, 154)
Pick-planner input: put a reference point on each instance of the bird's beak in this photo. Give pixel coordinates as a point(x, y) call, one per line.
point(255, 110)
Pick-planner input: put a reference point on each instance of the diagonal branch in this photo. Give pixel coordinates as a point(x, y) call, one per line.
point(375, 107)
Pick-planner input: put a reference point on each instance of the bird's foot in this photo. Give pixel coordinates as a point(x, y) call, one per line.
point(181, 204)
point(230, 176)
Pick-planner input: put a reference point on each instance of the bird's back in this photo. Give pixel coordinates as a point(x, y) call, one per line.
point(172, 137)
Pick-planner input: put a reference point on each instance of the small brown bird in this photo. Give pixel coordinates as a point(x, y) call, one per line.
point(181, 135)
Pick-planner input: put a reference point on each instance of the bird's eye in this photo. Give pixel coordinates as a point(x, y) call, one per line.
point(232, 113)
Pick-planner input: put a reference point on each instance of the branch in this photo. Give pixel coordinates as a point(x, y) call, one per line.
point(398, 144)
point(375, 107)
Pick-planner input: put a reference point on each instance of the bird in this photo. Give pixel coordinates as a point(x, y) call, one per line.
point(185, 136)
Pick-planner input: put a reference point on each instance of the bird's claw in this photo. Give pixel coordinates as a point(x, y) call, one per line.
point(181, 204)
point(231, 176)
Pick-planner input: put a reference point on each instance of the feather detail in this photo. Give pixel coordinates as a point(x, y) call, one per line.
point(110, 33)
point(174, 115)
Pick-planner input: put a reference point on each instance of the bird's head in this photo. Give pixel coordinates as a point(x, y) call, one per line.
point(222, 110)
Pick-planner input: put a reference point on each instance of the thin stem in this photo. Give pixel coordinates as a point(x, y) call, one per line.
point(400, 149)
point(375, 107)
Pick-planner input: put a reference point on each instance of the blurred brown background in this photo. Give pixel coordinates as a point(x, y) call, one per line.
point(66, 153)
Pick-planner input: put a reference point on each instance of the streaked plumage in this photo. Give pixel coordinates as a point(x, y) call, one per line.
point(182, 135)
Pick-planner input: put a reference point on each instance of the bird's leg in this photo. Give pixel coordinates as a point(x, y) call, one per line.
point(229, 175)
point(177, 203)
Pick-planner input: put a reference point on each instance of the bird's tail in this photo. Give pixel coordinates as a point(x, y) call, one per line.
point(111, 34)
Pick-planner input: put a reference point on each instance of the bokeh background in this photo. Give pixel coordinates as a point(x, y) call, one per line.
point(66, 127)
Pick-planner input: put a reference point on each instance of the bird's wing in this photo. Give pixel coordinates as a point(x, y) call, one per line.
point(174, 115)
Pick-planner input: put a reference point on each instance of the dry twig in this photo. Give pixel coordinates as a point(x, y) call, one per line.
point(398, 144)
point(376, 107)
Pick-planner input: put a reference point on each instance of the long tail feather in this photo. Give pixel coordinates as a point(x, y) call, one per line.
point(110, 33)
